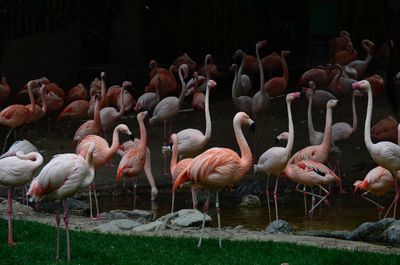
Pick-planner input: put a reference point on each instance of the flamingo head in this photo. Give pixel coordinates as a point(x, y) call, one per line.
point(211, 83)
point(238, 54)
point(261, 43)
point(126, 84)
point(152, 64)
point(142, 115)
point(282, 136)
point(332, 103)
point(362, 85)
point(307, 91)
point(124, 129)
point(285, 53)
point(102, 75)
point(209, 59)
point(233, 67)
point(185, 69)
point(292, 96)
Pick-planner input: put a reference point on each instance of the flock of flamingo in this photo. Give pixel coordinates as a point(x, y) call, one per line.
point(212, 169)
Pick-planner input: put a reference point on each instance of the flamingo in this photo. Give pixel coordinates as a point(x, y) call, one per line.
point(191, 141)
point(341, 85)
point(272, 63)
point(216, 168)
point(93, 95)
point(22, 145)
point(177, 167)
point(38, 112)
point(16, 115)
point(339, 43)
point(385, 129)
point(320, 97)
point(243, 85)
point(385, 154)
point(167, 109)
point(377, 84)
point(134, 159)
point(75, 110)
point(102, 153)
point(16, 171)
point(149, 100)
point(54, 104)
point(344, 57)
point(4, 90)
point(361, 65)
point(166, 80)
point(318, 75)
point(276, 86)
point(260, 100)
point(209, 69)
point(311, 173)
point(125, 147)
point(62, 177)
point(242, 103)
point(89, 127)
point(185, 59)
point(198, 99)
point(275, 159)
point(109, 116)
point(78, 92)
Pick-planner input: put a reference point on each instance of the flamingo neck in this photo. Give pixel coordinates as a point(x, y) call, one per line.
point(207, 135)
point(122, 105)
point(115, 143)
point(239, 80)
point(290, 141)
point(103, 92)
point(354, 127)
point(328, 130)
point(311, 130)
point(285, 70)
point(246, 156)
point(206, 68)
point(398, 134)
point(367, 127)
point(32, 98)
point(262, 81)
point(143, 135)
point(44, 103)
point(334, 83)
point(235, 80)
point(96, 115)
point(183, 91)
point(174, 157)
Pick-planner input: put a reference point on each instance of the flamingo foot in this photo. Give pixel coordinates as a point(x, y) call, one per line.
point(11, 242)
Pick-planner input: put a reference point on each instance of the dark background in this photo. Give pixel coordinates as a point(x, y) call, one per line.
point(70, 41)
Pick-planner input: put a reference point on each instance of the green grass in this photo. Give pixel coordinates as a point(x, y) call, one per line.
point(36, 245)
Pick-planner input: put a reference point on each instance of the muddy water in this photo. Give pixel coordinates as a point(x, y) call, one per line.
point(345, 212)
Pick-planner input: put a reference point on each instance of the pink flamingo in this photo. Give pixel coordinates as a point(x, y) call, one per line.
point(89, 127)
point(318, 75)
point(93, 95)
point(16, 171)
point(166, 80)
point(39, 112)
point(275, 159)
point(199, 98)
point(276, 86)
point(191, 141)
point(177, 167)
point(377, 84)
point(385, 129)
point(361, 65)
point(134, 159)
point(385, 154)
point(75, 110)
point(216, 168)
point(242, 103)
point(260, 100)
point(243, 82)
point(319, 97)
point(311, 173)
point(16, 115)
point(125, 147)
point(109, 116)
point(61, 178)
point(167, 109)
point(102, 153)
point(4, 90)
point(149, 100)
point(185, 59)
point(78, 92)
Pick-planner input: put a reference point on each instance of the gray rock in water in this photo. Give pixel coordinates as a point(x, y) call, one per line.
point(73, 205)
point(392, 234)
point(250, 201)
point(321, 233)
point(117, 226)
point(189, 217)
point(153, 226)
point(279, 227)
point(17, 208)
point(370, 231)
point(124, 214)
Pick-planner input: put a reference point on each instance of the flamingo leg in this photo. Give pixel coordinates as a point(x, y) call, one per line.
point(67, 229)
point(9, 211)
point(173, 202)
point(205, 211)
point(96, 202)
point(321, 200)
point(149, 175)
point(312, 201)
point(276, 198)
point(5, 142)
point(90, 204)
point(58, 231)
point(134, 193)
point(268, 204)
point(194, 198)
point(380, 207)
point(394, 202)
point(305, 200)
point(218, 210)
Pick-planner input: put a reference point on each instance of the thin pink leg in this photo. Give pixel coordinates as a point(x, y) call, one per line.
point(380, 207)
point(276, 197)
point(58, 231)
point(268, 204)
point(396, 198)
point(218, 210)
point(312, 201)
point(194, 198)
point(67, 229)
point(205, 211)
point(10, 199)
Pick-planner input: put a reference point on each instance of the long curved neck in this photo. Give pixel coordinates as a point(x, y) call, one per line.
point(367, 127)
point(37, 159)
point(90, 161)
point(290, 141)
point(285, 69)
point(196, 86)
point(207, 135)
point(96, 115)
point(335, 80)
point(103, 93)
point(235, 80)
point(206, 68)
point(261, 71)
point(310, 124)
point(174, 157)
point(239, 80)
point(122, 106)
point(246, 157)
point(354, 127)
point(328, 130)
point(44, 103)
point(115, 143)
point(183, 91)
point(32, 98)
point(143, 134)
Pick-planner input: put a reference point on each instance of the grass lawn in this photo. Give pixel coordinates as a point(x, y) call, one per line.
point(36, 245)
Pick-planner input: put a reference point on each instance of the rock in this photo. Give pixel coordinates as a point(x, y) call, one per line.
point(73, 205)
point(321, 233)
point(124, 214)
point(256, 188)
point(153, 226)
point(117, 226)
point(250, 201)
point(17, 208)
point(279, 227)
point(189, 217)
point(370, 231)
point(392, 234)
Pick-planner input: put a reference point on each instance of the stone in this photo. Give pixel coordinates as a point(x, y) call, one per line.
point(17, 208)
point(153, 226)
point(370, 231)
point(256, 188)
point(279, 227)
point(108, 228)
point(126, 224)
point(117, 226)
point(250, 201)
point(189, 217)
point(125, 214)
point(392, 234)
point(340, 234)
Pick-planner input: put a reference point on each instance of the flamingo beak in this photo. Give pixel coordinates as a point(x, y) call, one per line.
point(276, 141)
